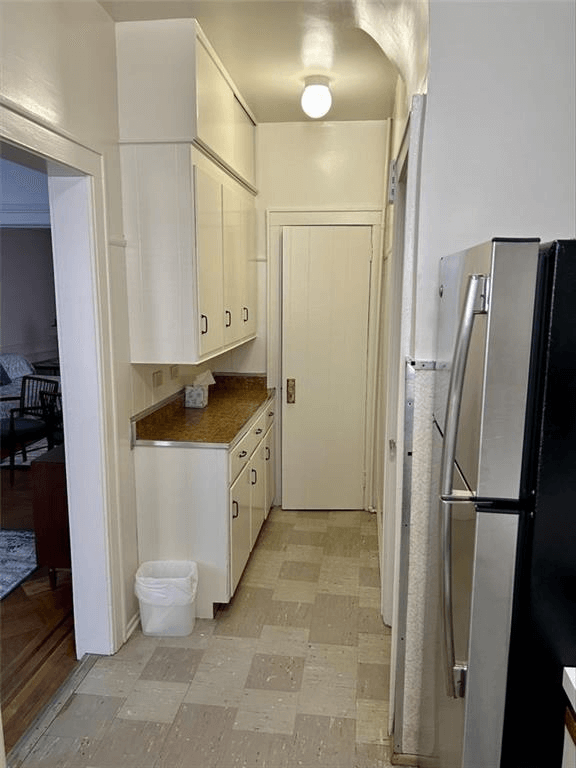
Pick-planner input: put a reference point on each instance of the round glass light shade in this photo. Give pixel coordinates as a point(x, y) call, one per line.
point(316, 97)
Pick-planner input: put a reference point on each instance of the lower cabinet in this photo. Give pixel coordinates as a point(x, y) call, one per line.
point(206, 503)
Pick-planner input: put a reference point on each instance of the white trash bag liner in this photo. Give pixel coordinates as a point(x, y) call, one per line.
point(166, 591)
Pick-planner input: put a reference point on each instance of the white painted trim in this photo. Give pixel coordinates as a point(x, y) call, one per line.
point(411, 152)
point(76, 178)
point(276, 219)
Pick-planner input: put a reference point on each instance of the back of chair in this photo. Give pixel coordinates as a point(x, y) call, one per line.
point(31, 394)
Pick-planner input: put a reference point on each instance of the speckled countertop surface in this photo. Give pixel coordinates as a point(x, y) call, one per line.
point(232, 401)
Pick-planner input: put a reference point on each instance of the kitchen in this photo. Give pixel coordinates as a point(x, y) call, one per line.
point(469, 104)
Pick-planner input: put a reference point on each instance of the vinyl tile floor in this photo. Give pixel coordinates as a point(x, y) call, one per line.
point(294, 672)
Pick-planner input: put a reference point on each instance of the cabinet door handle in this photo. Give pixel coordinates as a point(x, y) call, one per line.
point(258, 431)
point(270, 414)
point(246, 314)
point(204, 323)
point(267, 453)
point(228, 318)
point(236, 508)
point(242, 454)
point(254, 476)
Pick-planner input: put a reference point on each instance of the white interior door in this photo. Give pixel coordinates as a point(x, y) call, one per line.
point(325, 298)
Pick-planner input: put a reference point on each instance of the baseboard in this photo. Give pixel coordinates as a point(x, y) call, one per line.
point(132, 626)
point(413, 761)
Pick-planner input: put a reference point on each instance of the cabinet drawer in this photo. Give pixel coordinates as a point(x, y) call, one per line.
point(270, 413)
point(240, 454)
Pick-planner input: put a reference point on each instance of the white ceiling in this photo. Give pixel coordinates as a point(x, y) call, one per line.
point(270, 46)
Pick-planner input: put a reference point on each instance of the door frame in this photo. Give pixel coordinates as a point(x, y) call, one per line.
point(276, 220)
point(80, 245)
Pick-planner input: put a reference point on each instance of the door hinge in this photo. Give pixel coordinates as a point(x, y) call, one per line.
point(393, 182)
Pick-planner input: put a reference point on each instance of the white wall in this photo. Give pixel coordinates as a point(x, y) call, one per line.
point(59, 72)
point(500, 133)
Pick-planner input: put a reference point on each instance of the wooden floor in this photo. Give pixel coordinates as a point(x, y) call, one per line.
point(36, 626)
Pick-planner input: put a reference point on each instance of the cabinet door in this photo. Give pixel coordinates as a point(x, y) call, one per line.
point(249, 288)
point(234, 264)
point(257, 468)
point(208, 202)
point(240, 532)
point(269, 457)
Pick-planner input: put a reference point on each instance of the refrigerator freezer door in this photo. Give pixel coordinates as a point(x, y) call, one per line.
point(489, 445)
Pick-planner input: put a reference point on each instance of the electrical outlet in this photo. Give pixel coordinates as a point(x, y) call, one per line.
point(174, 371)
point(157, 378)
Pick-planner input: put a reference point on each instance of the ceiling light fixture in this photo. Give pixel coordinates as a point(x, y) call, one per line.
point(316, 97)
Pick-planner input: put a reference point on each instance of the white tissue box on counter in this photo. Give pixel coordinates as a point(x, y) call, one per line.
point(196, 394)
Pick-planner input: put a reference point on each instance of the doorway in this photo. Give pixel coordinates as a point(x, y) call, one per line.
point(326, 298)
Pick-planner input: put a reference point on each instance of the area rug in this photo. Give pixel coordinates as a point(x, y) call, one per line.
point(32, 452)
point(17, 558)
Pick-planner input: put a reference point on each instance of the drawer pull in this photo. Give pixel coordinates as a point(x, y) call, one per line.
point(271, 413)
point(258, 431)
point(236, 509)
point(242, 454)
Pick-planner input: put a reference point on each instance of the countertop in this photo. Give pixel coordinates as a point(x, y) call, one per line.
point(232, 401)
point(569, 681)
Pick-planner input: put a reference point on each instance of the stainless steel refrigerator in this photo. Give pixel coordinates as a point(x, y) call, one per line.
point(501, 618)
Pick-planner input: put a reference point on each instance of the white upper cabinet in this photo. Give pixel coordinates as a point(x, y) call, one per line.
point(172, 87)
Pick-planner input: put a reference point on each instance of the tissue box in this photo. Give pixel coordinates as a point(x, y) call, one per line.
point(196, 396)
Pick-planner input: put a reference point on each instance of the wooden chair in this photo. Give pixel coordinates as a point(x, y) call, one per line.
point(26, 423)
point(52, 414)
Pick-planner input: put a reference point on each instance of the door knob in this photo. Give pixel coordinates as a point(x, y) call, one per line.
point(290, 390)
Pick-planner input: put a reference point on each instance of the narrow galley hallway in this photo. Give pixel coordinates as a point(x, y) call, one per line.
point(294, 672)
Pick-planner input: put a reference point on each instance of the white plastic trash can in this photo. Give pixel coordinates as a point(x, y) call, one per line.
point(166, 591)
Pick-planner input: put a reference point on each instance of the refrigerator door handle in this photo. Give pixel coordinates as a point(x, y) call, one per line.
point(476, 302)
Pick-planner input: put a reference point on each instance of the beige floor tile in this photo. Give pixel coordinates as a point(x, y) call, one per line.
point(339, 575)
point(86, 716)
point(266, 711)
point(369, 577)
point(199, 737)
point(130, 744)
point(369, 543)
point(295, 591)
point(246, 614)
point(307, 538)
point(369, 597)
point(263, 569)
point(324, 742)
point(172, 665)
point(335, 620)
point(329, 681)
point(372, 722)
point(222, 673)
point(249, 749)
point(373, 681)
point(275, 535)
point(286, 613)
point(283, 640)
point(342, 542)
point(273, 672)
point(304, 553)
point(370, 621)
point(352, 518)
point(311, 523)
point(278, 515)
point(139, 648)
point(109, 677)
point(369, 526)
point(372, 756)
point(299, 571)
point(199, 639)
point(58, 752)
point(374, 649)
point(153, 701)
